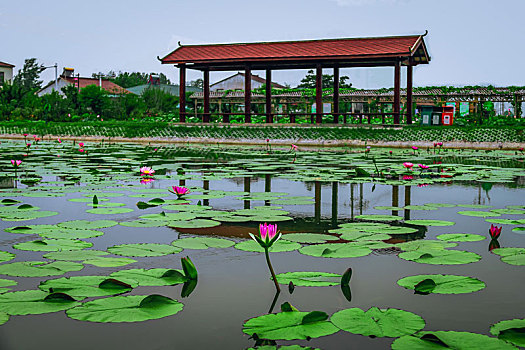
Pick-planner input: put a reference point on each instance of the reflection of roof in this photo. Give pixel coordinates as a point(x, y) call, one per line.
point(106, 84)
point(7, 65)
point(254, 78)
point(345, 48)
point(171, 89)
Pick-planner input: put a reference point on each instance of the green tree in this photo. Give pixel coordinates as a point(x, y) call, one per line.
point(198, 83)
point(93, 99)
point(308, 82)
point(130, 79)
point(27, 77)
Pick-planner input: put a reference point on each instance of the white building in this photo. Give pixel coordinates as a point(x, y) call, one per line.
point(6, 72)
point(236, 82)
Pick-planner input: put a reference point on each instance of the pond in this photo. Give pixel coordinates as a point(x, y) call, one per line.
point(425, 272)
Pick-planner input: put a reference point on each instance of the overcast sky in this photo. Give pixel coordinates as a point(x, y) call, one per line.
point(470, 41)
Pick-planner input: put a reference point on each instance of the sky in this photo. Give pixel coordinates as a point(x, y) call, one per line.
point(470, 42)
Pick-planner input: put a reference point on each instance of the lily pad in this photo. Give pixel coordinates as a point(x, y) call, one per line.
point(132, 308)
point(39, 268)
point(143, 249)
point(88, 286)
point(445, 284)
point(378, 322)
point(449, 339)
point(109, 262)
point(3, 317)
point(440, 257)
point(143, 223)
point(512, 256)
point(308, 237)
point(460, 237)
point(430, 222)
point(277, 247)
point(197, 223)
point(6, 283)
point(378, 217)
point(290, 325)
point(34, 302)
point(512, 331)
point(202, 243)
point(152, 277)
point(6, 256)
point(335, 250)
point(109, 210)
point(69, 255)
point(53, 245)
point(424, 244)
point(85, 224)
point(309, 279)
point(479, 214)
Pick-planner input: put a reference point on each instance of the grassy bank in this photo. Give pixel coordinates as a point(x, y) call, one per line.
point(177, 131)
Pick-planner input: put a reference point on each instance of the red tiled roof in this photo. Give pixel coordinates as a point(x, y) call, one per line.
point(106, 84)
point(312, 49)
point(3, 64)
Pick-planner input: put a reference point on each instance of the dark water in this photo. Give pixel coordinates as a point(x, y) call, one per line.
point(234, 285)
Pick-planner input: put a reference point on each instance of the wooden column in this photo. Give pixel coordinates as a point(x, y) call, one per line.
point(395, 198)
point(317, 204)
point(319, 94)
point(206, 86)
point(335, 192)
point(407, 202)
point(182, 93)
point(397, 90)
point(269, 118)
point(248, 95)
point(409, 93)
point(336, 95)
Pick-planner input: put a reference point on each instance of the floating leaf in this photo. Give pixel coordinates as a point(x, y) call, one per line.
point(460, 237)
point(6, 283)
point(69, 255)
point(309, 279)
point(109, 262)
point(39, 268)
point(287, 326)
point(445, 284)
point(335, 250)
point(143, 249)
point(53, 245)
point(378, 322)
point(202, 243)
point(85, 224)
point(512, 331)
point(133, 308)
point(480, 214)
point(430, 222)
point(308, 237)
point(197, 223)
point(451, 339)
point(440, 257)
point(279, 246)
point(109, 211)
point(6, 256)
point(377, 217)
point(152, 277)
point(512, 256)
point(33, 302)
point(88, 286)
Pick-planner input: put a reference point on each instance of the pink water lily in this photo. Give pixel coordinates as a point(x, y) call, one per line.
point(294, 147)
point(422, 166)
point(415, 148)
point(81, 144)
point(408, 165)
point(495, 231)
point(146, 180)
point(16, 163)
point(407, 177)
point(268, 235)
point(146, 171)
point(179, 191)
point(59, 141)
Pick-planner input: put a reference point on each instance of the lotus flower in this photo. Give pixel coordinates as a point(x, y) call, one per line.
point(146, 180)
point(59, 140)
point(408, 165)
point(81, 144)
point(440, 144)
point(422, 185)
point(390, 152)
point(25, 135)
point(16, 163)
point(28, 144)
point(81, 150)
point(495, 231)
point(407, 177)
point(294, 147)
point(415, 148)
point(422, 167)
point(268, 235)
point(146, 171)
point(179, 191)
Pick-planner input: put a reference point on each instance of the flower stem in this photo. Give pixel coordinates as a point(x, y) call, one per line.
point(271, 269)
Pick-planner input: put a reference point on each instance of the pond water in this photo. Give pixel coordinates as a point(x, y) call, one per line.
point(338, 194)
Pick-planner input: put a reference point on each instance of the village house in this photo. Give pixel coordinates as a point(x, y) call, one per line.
point(6, 72)
point(236, 82)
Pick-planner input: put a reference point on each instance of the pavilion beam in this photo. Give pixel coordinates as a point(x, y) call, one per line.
point(318, 94)
point(269, 118)
point(182, 93)
point(336, 95)
point(206, 86)
point(247, 94)
point(397, 90)
point(409, 93)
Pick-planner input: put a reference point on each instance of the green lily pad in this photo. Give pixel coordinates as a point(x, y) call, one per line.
point(424, 244)
point(420, 207)
point(109, 211)
point(53, 245)
point(152, 277)
point(308, 237)
point(164, 217)
point(309, 279)
point(88, 286)
point(89, 225)
point(460, 237)
point(27, 215)
point(277, 247)
point(518, 229)
point(440, 205)
point(290, 325)
point(109, 262)
point(335, 250)
point(378, 322)
point(512, 331)
point(506, 221)
point(3, 317)
point(440, 257)
point(143, 223)
point(357, 236)
point(509, 211)
point(474, 206)
point(445, 284)
point(382, 207)
point(202, 243)
point(512, 256)
point(378, 217)
point(34, 302)
point(132, 308)
point(143, 249)
point(197, 223)
point(479, 214)
point(430, 222)
point(63, 233)
point(6, 283)
point(39, 268)
point(6, 256)
point(69, 255)
point(449, 339)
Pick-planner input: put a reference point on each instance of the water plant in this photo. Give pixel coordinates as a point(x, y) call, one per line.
point(268, 235)
point(180, 191)
point(146, 171)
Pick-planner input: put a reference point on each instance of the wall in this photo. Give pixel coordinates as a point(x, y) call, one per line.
point(236, 82)
point(8, 74)
point(50, 88)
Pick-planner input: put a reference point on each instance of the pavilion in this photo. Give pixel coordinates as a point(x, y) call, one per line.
point(395, 51)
